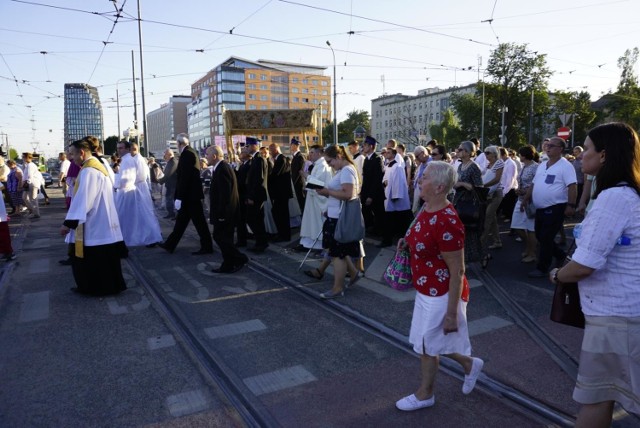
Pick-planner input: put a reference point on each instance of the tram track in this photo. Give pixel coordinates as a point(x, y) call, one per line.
point(251, 409)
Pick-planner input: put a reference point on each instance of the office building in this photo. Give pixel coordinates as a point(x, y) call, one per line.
point(407, 118)
point(82, 112)
point(165, 123)
point(239, 84)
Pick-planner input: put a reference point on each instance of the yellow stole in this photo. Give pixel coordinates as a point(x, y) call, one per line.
point(89, 163)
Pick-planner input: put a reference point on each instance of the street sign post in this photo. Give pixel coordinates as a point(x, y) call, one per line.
point(564, 132)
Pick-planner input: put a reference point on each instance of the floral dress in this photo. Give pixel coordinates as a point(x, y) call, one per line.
point(431, 234)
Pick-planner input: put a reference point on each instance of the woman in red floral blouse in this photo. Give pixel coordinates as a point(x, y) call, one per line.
point(439, 324)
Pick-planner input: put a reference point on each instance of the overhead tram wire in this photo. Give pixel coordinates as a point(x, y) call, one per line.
point(105, 43)
point(240, 23)
point(410, 27)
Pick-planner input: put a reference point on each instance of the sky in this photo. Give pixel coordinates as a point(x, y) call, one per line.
point(381, 47)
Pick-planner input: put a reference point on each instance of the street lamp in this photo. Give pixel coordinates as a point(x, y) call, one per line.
point(335, 113)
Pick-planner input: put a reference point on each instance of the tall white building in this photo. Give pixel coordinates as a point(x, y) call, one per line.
point(407, 118)
point(165, 123)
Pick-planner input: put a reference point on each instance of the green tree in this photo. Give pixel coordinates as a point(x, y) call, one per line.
point(110, 144)
point(448, 131)
point(346, 127)
point(13, 153)
point(515, 74)
point(468, 108)
point(626, 105)
point(578, 103)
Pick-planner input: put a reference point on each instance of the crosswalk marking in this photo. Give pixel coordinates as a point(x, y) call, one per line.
point(486, 324)
point(279, 380)
point(234, 329)
point(187, 403)
point(35, 306)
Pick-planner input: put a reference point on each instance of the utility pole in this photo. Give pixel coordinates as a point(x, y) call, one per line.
point(531, 121)
point(144, 111)
point(503, 128)
point(135, 102)
point(335, 95)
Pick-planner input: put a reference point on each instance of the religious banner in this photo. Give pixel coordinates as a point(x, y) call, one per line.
point(258, 122)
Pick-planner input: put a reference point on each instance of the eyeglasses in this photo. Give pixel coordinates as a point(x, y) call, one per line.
point(460, 150)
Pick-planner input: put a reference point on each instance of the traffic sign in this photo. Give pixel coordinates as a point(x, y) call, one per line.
point(564, 132)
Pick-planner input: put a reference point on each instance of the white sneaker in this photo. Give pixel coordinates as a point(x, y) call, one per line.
point(472, 377)
point(411, 402)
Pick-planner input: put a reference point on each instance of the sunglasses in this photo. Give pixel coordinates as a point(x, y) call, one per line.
point(460, 150)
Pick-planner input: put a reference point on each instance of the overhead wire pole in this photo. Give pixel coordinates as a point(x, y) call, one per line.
point(144, 110)
point(335, 95)
point(135, 102)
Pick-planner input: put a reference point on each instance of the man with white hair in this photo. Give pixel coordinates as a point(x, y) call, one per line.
point(422, 158)
point(188, 200)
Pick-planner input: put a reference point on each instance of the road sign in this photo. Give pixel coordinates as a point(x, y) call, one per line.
point(564, 132)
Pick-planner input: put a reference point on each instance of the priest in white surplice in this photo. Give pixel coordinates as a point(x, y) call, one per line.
point(92, 226)
point(397, 206)
point(133, 199)
point(315, 205)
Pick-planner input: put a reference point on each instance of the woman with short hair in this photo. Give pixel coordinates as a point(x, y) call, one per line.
point(491, 180)
point(439, 323)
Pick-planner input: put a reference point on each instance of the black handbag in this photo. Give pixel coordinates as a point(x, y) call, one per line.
point(566, 308)
point(470, 206)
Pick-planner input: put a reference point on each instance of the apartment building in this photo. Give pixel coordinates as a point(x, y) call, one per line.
point(164, 123)
point(82, 112)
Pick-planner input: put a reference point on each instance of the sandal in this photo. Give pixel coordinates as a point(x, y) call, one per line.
point(314, 273)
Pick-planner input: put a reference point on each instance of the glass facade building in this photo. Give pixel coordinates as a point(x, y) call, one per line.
point(82, 112)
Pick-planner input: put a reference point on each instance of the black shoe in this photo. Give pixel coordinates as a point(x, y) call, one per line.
point(66, 262)
point(300, 248)
point(223, 269)
point(201, 252)
point(165, 247)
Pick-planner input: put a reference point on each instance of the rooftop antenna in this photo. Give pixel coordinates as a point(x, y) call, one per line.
point(384, 92)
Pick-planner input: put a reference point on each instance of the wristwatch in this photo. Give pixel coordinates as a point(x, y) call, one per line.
point(555, 276)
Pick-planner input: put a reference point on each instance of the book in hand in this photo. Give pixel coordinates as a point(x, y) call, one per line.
point(314, 183)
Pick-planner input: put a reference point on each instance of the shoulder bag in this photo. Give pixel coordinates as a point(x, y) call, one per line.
point(350, 225)
point(566, 308)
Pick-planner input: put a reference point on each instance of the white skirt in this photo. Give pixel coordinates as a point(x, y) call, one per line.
point(427, 335)
point(519, 219)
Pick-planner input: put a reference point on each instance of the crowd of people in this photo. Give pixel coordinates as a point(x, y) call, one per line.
point(443, 207)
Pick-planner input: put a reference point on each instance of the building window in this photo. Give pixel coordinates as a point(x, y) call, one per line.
point(305, 100)
point(252, 96)
point(296, 99)
point(305, 90)
point(264, 87)
point(263, 107)
point(252, 76)
point(263, 98)
point(294, 80)
point(325, 93)
point(294, 90)
point(251, 86)
point(263, 77)
point(324, 83)
point(314, 82)
point(252, 107)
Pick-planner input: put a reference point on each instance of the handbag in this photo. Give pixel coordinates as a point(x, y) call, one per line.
point(468, 206)
point(350, 225)
point(566, 308)
point(398, 272)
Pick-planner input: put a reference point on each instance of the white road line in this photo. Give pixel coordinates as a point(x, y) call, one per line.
point(187, 403)
point(35, 307)
point(40, 265)
point(159, 342)
point(234, 329)
point(487, 324)
point(279, 380)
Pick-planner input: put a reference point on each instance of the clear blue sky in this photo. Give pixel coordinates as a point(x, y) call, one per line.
point(413, 44)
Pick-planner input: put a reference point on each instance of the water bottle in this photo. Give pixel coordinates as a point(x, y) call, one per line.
point(622, 240)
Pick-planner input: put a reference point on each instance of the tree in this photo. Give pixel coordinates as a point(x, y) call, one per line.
point(578, 103)
point(468, 108)
point(13, 153)
point(626, 105)
point(346, 127)
point(448, 131)
point(110, 144)
point(515, 74)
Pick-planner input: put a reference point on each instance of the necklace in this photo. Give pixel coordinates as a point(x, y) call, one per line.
point(465, 165)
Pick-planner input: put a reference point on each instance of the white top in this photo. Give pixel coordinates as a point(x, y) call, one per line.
point(31, 175)
point(346, 175)
point(509, 179)
point(93, 206)
point(481, 160)
point(550, 183)
point(490, 174)
point(396, 191)
point(64, 166)
point(613, 289)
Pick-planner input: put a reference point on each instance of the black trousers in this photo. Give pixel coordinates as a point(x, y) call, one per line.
point(374, 216)
point(508, 204)
point(280, 212)
point(548, 223)
point(255, 220)
point(223, 235)
point(190, 211)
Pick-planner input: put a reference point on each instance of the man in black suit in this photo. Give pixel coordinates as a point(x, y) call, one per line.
point(224, 198)
point(188, 200)
point(372, 192)
point(241, 175)
point(297, 165)
point(169, 180)
point(280, 192)
point(256, 195)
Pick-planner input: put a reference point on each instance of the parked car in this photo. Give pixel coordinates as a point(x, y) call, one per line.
point(48, 179)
